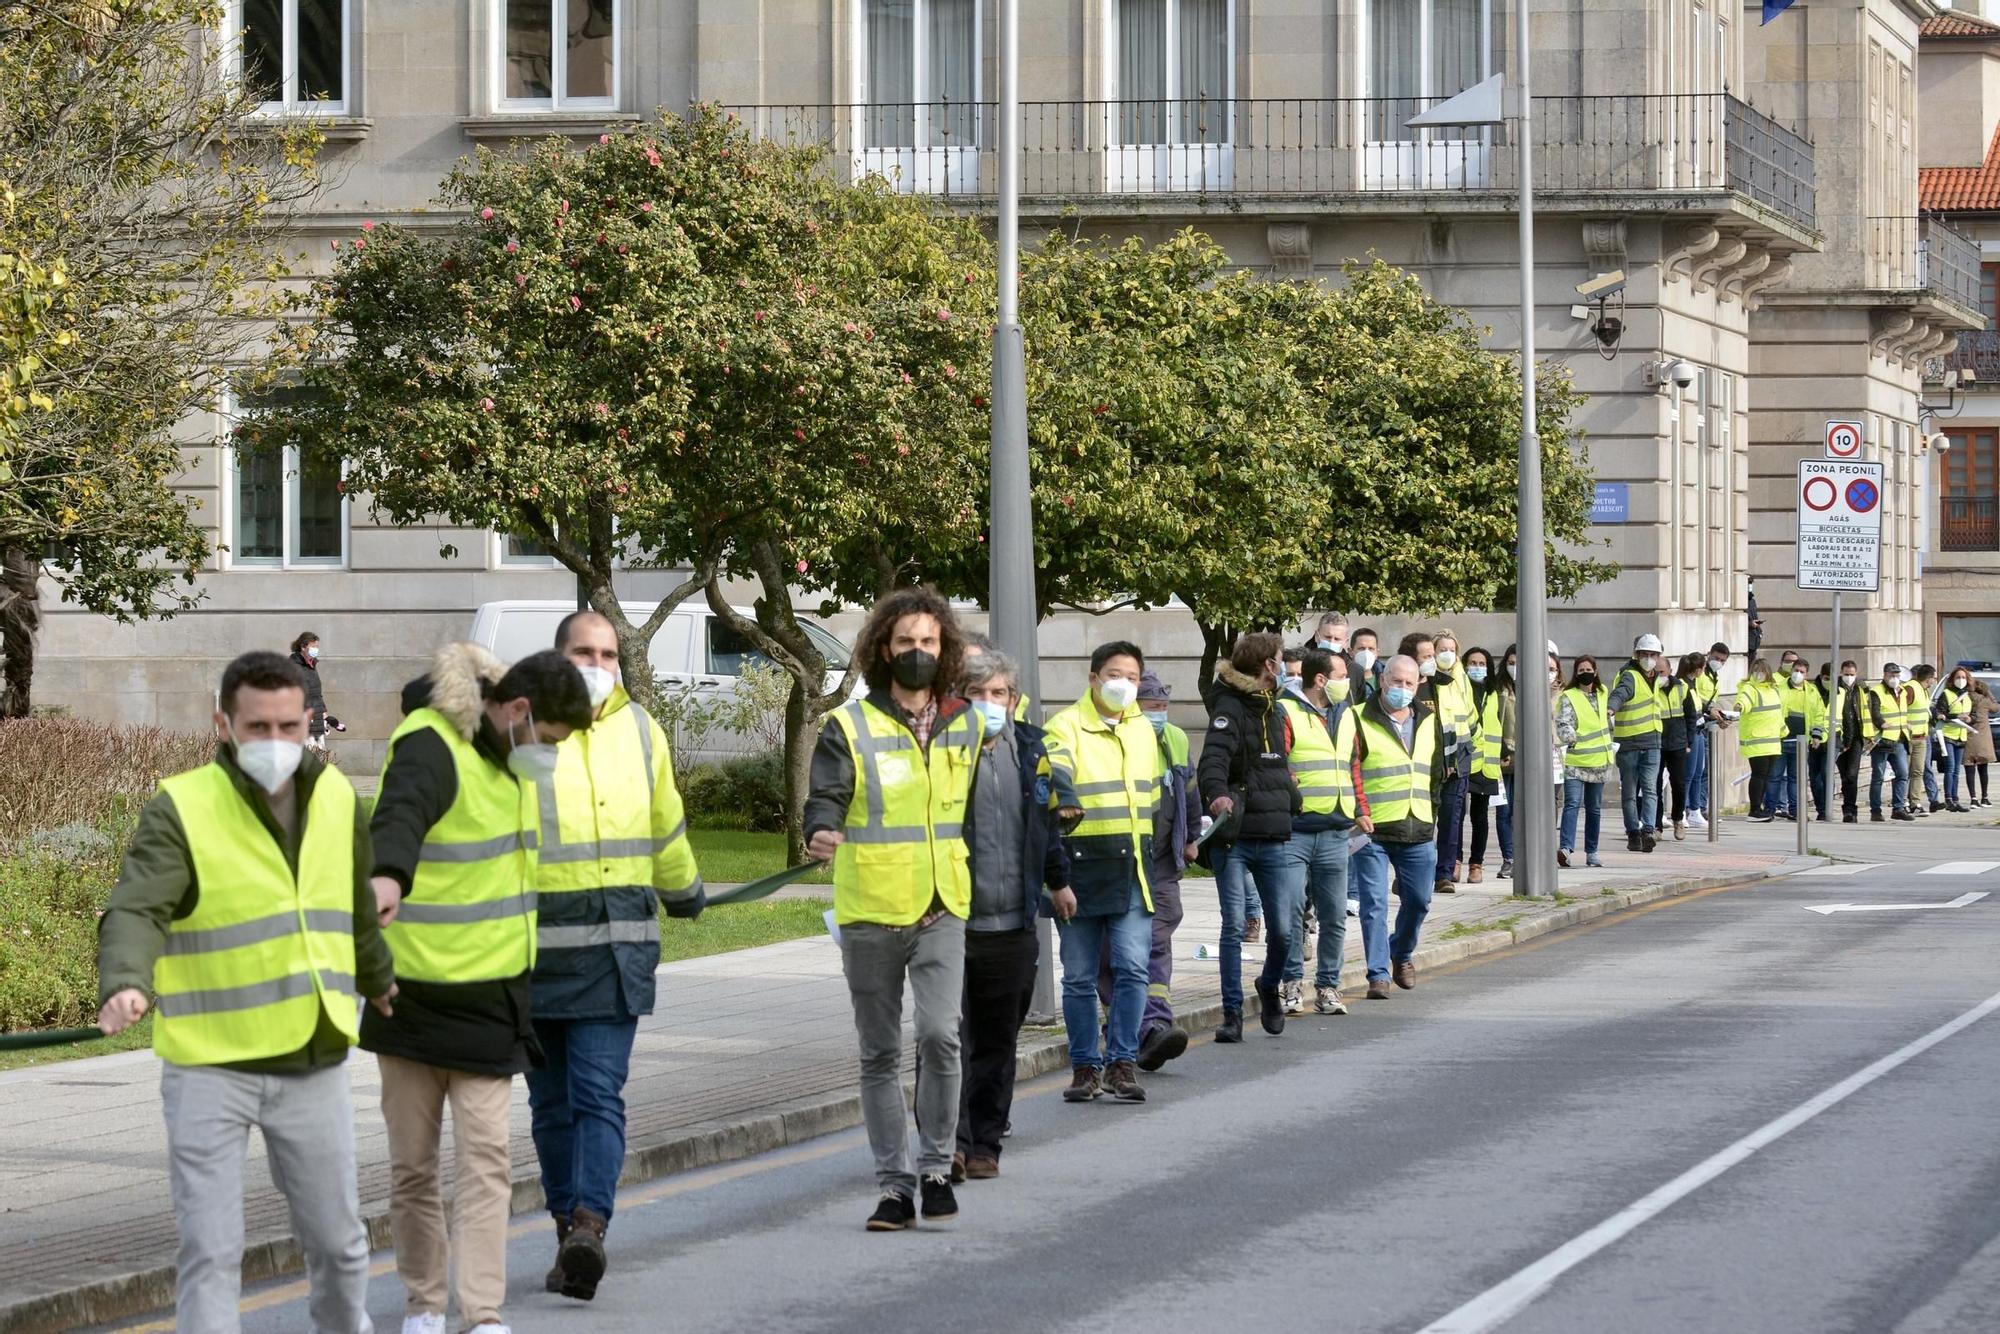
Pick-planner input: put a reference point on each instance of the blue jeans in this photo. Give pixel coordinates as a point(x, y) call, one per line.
point(1888, 754)
point(1589, 798)
point(1451, 827)
point(1954, 762)
point(1697, 797)
point(577, 1110)
point(1778, 788)
point(1281, 891)
point(1505, 819)
point(1639, 789)
point(1415, 866)
point(1082, 941)
point(1320, 863)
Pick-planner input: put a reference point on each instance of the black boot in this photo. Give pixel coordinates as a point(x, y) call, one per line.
point(1232, 1027)
point(1271, 1010)
point(581, 1258)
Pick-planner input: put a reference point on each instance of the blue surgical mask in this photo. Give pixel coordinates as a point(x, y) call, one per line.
point(1478, 674)
point(1398, 697)
point(1158, 718)
point(992, 717)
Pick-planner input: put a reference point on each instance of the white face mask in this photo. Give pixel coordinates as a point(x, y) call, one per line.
point(1847, 678)
point(1894, 679)
point(1798, 678)
point(1447, 659)
point(1960, 685)
point(268, 764)
point(312, 654)
point(1428, 667)
point(532, 759)
point(1118, 694)
point(1555, 676)
point(599, 683)
point(1364, 658)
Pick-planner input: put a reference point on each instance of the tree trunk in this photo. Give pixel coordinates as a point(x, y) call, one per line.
point(800, 738)
point(20, 623)
point(1216, 641)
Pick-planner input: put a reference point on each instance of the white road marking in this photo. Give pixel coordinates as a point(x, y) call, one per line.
point(1840, 868)
point(1959, 868)
point(1827, 909)
point(1507, 1299)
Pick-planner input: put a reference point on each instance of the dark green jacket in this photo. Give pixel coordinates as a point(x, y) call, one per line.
point(156, 886)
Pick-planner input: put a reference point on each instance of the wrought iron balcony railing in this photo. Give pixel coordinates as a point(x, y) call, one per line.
point(1977, 352)
point(1305, 149)
point(1923, 254)
point(1969, 523)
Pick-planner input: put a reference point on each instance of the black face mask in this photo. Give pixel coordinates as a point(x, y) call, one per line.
point(1585, 680)
point(914, 669)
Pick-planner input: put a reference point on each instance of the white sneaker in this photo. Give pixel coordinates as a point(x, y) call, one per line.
point(490, 1327)
point(1696, 820)
point(428, 1324)
point(1354, 907)
point(1294, 1002)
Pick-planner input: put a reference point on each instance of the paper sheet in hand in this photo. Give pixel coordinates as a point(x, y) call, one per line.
point(763, 889)
point(1225, 822)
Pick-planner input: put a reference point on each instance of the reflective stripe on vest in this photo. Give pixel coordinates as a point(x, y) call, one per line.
point(470, 912)
point(597, 820)
point(1761, 731)
point(1486, 757)
point(1890, 704)
point(1917, 712)
point(1592, 747)
point(1322, 762)
point(1958, 710)
point(904, 831)
point(1398, 781)
point(1640, 715)
point(266, 954)
point(1114, 770)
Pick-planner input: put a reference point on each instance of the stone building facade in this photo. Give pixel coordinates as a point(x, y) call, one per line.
point(1756, 186)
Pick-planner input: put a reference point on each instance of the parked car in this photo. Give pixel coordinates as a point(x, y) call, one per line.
point(694, 650)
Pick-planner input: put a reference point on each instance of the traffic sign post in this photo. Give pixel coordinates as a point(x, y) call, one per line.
point(1840, 526)
point(1843, 440)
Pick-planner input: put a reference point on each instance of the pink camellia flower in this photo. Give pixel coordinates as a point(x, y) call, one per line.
point(760, 317)
point(903, 450)
point(486, 215)
point(513, 246)
point(798, 434)
point(646, 208)
point(486, 405)
point(360, 244)
point(850, 327)
point(653, 156)
point(950, 371)
point(603, 139)
point(520, 280)
point(906, 377)
point(603, 409)
point(562, 206)
point(576, 303)
point(944, 317)
point(802, 567)
point(367, 226)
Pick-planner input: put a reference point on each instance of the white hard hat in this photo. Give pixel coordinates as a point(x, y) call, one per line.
point(1552, 648)
point(1647, 643)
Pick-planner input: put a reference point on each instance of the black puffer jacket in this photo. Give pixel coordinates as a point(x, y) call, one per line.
point(1245, 758)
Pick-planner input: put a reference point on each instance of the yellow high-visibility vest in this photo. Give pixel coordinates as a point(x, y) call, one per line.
point(1322, 761)
point(1397, 781)
point(470, 912)
point(1486, 756)
point(266, 954)
point(1762, 730)
point(1114, 768)
point(905, 826)
point(1958, 716)
point(1592, 747)
point(1641, 714)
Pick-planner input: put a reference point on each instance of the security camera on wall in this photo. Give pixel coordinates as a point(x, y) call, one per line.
point(1682, 373)
point(1940, 443)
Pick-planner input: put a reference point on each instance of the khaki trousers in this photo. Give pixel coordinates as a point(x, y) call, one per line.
point(413, 1102)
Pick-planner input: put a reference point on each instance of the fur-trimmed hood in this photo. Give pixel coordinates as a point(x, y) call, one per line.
point(455, 685)
point(1225, 674)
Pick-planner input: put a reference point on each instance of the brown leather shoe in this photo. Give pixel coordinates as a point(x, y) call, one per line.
point(1476, 874)
point(581, 1257)
point(1405, 974)
point(554, 1281)
point(957, 1168)
point(1378, 989)
point(1086, 1084)
point(981, 1168)
point(1122, 1078)
point(1253, 931)
point(1444, 887)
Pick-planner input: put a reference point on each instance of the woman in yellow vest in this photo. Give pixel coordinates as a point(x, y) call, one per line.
point(455, 836)
point(1761, 734)
point(1884, 729)
point(1954, 709)
point(243, 907)
point(890, 793)
point(1583, 726)
point(1492, 696)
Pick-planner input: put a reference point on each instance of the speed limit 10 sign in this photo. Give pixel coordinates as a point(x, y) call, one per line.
point(1843, 440)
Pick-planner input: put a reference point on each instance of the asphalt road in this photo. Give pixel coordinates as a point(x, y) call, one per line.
point(1463, 1157)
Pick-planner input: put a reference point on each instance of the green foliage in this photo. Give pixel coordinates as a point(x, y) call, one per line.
point(144, 180)
point(743, 793)
point(49, 905)
point(742, 926)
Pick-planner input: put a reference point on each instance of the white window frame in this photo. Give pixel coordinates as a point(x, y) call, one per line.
point(1425, 160)
point(559, 102)
point(922, 167)
point(291, 104)
point(288, 507)
point(1180, 164)
point(500, 559)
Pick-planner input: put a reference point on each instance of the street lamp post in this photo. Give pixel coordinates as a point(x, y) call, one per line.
point(1010, 542)
point(1534, 776)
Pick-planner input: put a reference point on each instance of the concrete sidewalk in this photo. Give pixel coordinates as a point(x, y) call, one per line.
point(747, 1051)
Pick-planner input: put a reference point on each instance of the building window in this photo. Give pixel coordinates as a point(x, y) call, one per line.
point(558, 54)
point(524, 551)
point(1423, 51)
point(1969, 490)
point(1175, 68)
point(920, 72)
point(287, 504)
point(293, 53)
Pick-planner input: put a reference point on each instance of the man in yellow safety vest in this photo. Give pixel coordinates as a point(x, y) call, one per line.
point(243, 907)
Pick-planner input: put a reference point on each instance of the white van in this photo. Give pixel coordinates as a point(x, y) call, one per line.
point(695, 648)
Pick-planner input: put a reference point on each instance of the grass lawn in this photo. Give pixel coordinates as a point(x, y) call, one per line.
point(133, 1038)
point(734, 856)
point(742, 926)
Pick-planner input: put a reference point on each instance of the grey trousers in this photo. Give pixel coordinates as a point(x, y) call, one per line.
point(876, 959)
point(308, 1128)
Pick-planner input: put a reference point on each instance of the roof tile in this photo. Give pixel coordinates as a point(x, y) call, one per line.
point(1958, 25)
point(1962, 189)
